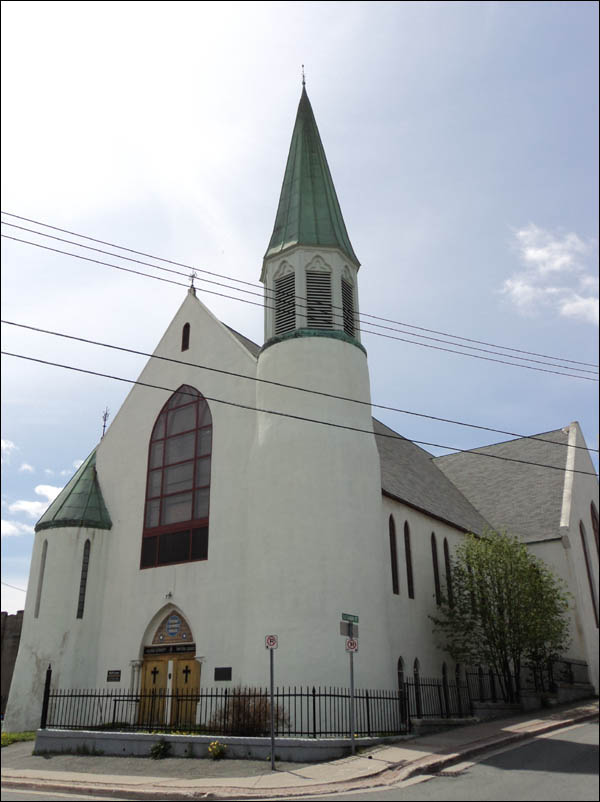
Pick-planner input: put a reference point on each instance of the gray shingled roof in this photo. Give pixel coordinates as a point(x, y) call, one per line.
point(409, 474)
point(251, 346)
point(522, 499)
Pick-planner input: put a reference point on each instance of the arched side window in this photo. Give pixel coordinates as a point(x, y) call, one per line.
point(185, 337)
point(594, 516)
point(319, 312)
point(448, 573)
point(38, 596)
point(436, 570)
point(408, 557)
point(400, 669)
point(590, 575)
point(394, 556)
point(348, 307)
point(178, 485)
point(83, 581)
point(285, 303)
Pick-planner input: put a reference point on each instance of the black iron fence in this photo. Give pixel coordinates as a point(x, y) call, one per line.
point(301, 712)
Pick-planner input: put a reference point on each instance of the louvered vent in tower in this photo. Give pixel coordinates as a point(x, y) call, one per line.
point(318, 297)
point(285, 304)
point(348, 307)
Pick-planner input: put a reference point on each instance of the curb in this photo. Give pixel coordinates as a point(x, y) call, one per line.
point(386, 776)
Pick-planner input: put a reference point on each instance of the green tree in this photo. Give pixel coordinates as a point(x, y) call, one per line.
point(506, 609)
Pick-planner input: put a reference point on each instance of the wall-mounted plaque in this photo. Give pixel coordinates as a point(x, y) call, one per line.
point(114, 675)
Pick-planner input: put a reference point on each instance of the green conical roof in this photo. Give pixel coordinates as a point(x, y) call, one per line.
point(309, 212)
point(79, 503)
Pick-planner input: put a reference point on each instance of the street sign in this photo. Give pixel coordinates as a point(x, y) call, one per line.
point(348, 629)
point(348, 617)
point(271, 642)
point(351, 645)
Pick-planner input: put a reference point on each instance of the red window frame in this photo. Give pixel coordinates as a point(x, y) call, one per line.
point(196, 526)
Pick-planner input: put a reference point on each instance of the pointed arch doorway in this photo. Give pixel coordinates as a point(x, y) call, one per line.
point(170, 675)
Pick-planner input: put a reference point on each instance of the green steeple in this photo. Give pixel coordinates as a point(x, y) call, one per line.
point(309, 212)
point(79, 503)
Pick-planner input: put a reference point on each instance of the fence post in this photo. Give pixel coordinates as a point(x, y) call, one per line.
point(368, 713)
point(46, 699)
point(314, 698)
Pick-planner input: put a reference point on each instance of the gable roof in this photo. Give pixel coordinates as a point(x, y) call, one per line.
point(523, 499)
point(309, 212)
point(79, 503)
point(409, 474)
point(248, 344)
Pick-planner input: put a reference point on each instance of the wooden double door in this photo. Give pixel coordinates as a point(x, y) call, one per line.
point(169, 687)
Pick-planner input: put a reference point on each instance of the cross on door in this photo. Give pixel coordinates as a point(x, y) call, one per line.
point(186, 673)
point(155, 672)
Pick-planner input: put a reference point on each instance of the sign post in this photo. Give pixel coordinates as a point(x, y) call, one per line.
point(271, 643)
point(351, 648)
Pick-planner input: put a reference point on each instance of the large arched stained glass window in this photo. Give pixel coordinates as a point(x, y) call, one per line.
point(178, 485)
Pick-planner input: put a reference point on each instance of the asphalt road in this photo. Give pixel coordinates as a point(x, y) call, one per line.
point(562, 766)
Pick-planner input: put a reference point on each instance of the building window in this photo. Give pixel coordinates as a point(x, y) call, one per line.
point(436, 570)
point(38, 596)
point(319, 314)
point(285, 303)
point(594, 515)
point(408, 557)
point(394, 557)
point(178, 484)
point(185, 337)
point(590, 575)
point(348, 307)
point(448, 574)
point(83, 581)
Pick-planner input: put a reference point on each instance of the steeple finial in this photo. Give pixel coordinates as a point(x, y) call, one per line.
point(303, 78)
point(192, 276)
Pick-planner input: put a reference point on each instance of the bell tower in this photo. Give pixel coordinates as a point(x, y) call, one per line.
point(310, 268)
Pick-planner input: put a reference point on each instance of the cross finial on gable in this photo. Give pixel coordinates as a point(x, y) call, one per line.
point(192, 277)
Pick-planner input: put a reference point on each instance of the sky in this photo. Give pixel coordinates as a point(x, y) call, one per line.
point(463, 143)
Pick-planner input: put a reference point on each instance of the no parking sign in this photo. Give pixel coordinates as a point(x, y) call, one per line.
point(271, 642)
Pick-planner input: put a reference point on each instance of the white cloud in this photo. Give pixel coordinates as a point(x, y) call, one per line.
point(555, 275)
point(35, 509)
point(7, 448)
point(49, 471)
point(26, 468)
point(12, 528)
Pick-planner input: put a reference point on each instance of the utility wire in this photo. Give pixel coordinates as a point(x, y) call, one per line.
point(285, 296)
point(254, 284)
point(286, 386)
point(294, 417)
point(263, 305)
point(14, 587)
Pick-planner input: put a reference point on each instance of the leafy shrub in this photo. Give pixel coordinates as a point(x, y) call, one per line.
point(247, 711)
point(9, 738)
point(160, 750)
point(216, 750)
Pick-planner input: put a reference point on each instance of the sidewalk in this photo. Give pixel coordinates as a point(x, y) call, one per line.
point(237, 779)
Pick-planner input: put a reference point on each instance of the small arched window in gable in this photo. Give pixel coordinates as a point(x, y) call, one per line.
point(185, 337)
point(394, 557)
point(408, 557)
point(178, 484)
point(83, 581)
point(590, 575)
point(436, 570)
point(448, 573)
point(38, 596)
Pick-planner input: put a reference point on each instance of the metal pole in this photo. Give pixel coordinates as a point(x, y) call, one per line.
point(272, 712)
point(352, 744)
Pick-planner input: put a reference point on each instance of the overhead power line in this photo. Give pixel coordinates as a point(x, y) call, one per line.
point(282, 384)
point(14, 587)
point(255, 284)
point(270, 296)
point(278, 413)
point(255, 303)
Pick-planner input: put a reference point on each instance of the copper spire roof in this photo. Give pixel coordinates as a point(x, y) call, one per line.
point(79, 503)
point(309, 212)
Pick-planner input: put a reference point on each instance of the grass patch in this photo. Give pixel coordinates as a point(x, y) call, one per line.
point(9, 738)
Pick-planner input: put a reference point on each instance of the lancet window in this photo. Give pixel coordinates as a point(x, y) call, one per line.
point(394, 557)
point(285, 303)
point(348, 307)
point(178, 482)
point(85, 562)
point(319, 313)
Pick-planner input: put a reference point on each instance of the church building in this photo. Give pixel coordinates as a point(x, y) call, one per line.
point(257, 496)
